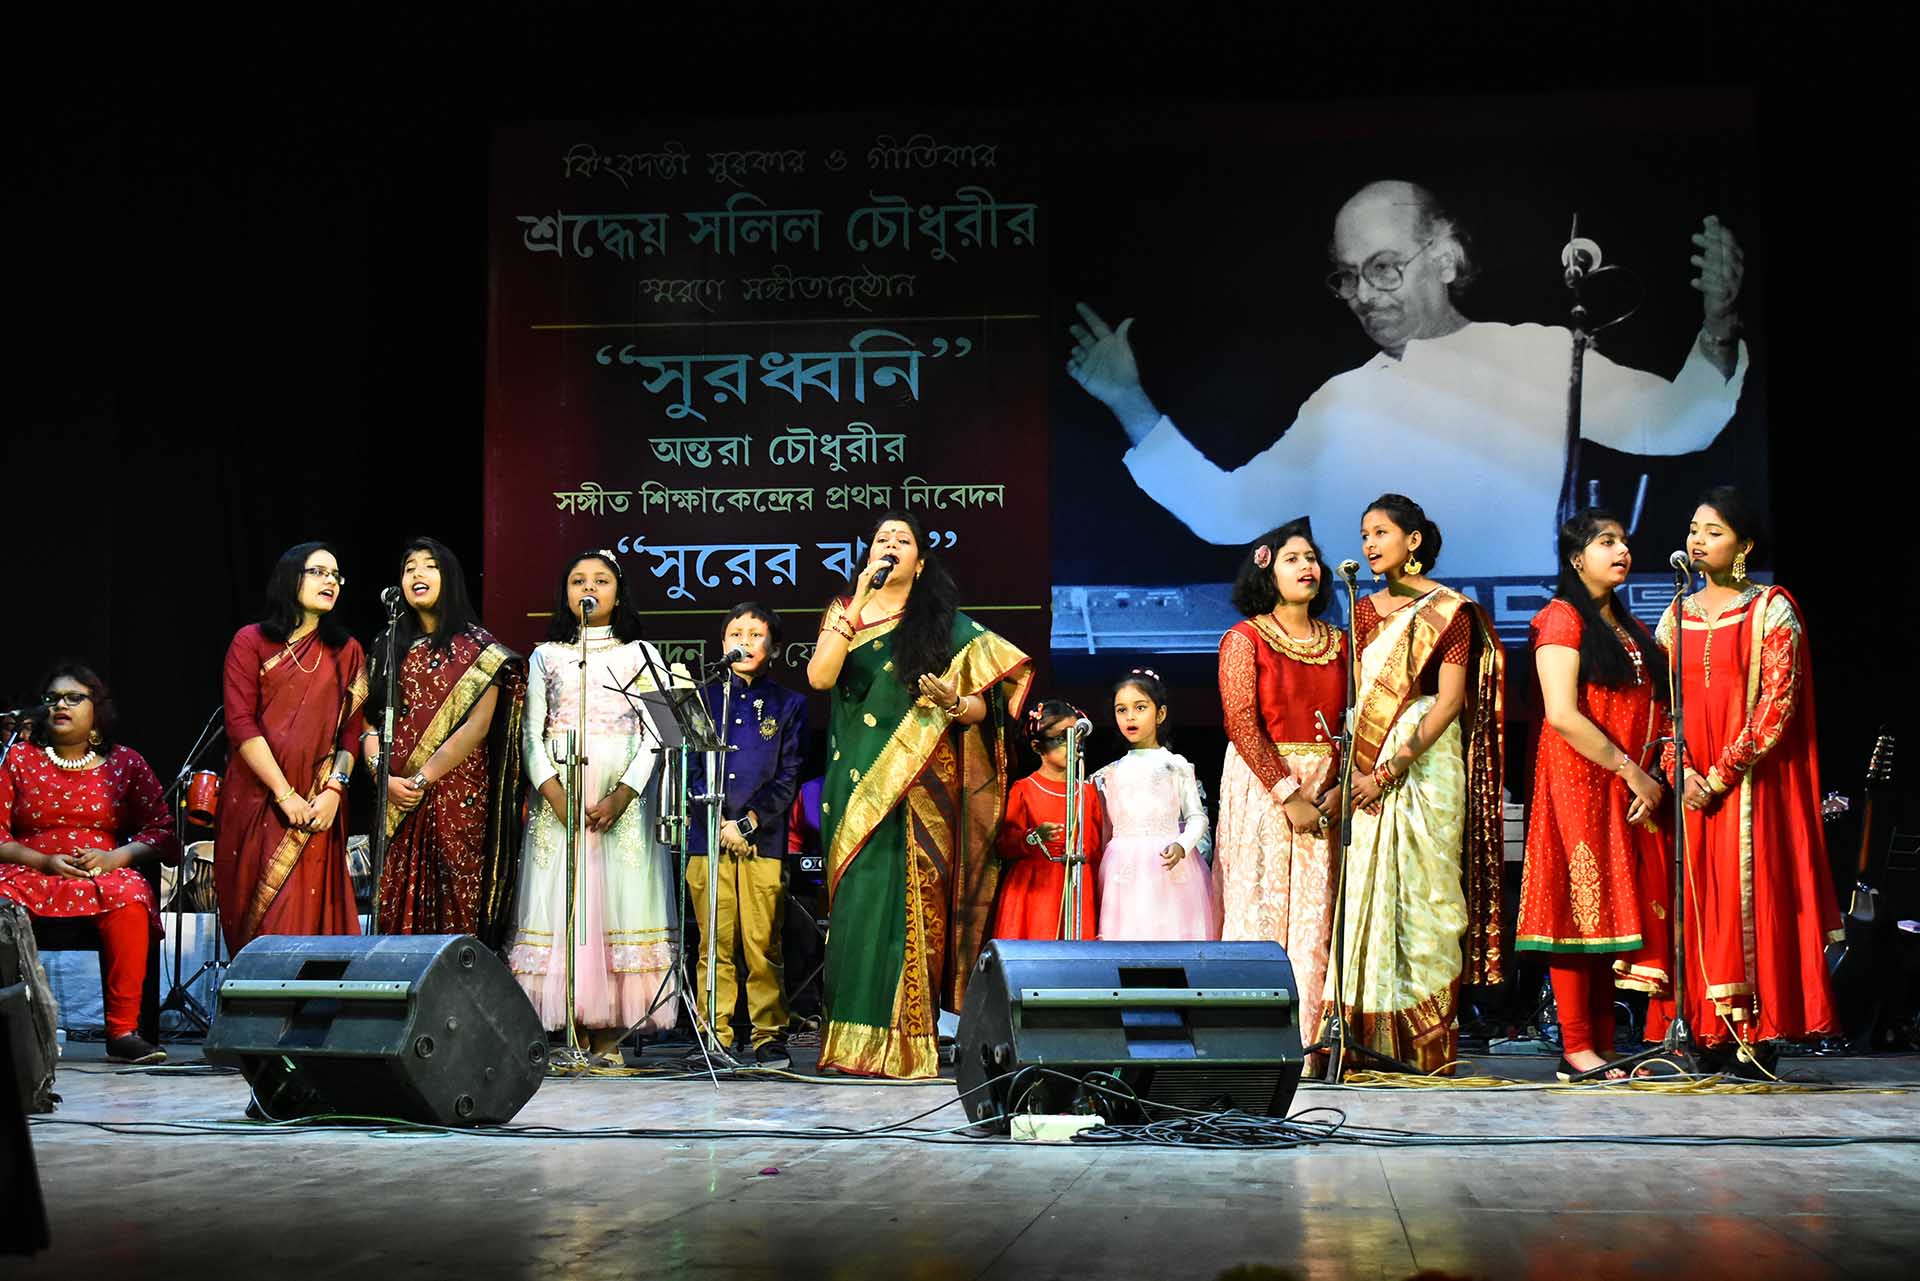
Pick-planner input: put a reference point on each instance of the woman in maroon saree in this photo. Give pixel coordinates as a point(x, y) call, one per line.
point(452, 812)
point(294, 686)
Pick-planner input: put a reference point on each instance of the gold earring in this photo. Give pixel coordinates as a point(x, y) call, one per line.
point(93, 737)
point(1413, 566)
point(1739, 567)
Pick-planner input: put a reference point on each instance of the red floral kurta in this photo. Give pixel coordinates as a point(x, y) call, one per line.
point(1761, 906)
point(1586, 865)
point(1031, 881)
point(59, 811)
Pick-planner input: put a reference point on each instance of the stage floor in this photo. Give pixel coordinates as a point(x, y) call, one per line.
point(164, 1202)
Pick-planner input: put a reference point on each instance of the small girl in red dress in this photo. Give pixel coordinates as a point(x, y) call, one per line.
point(1033, 838)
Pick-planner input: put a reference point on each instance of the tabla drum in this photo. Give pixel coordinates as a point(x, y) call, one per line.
point(203, 797)
point(189, 887)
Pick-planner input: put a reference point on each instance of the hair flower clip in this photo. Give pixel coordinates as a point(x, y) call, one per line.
point(1262, 556)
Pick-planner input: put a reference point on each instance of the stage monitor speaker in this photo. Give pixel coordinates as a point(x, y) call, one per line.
point(428, 1027)
point(1117, 1028)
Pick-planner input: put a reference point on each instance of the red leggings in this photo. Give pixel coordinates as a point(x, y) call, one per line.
point(1583, 991)
point(125, 933)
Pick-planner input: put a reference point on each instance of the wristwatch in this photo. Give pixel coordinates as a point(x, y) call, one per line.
point(340, 778)
point(746, 825)
point(1033, 837)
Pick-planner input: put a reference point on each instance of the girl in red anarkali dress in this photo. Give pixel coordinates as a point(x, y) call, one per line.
point(1033, 838)
point(1760, 902)
point(1595, 876)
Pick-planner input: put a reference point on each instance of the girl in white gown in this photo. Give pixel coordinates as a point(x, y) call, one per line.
point(625, 934)
point(1153, 881)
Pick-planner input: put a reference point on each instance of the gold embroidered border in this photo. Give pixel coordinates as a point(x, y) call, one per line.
point(1398, 678)
point(878, 1051)
point(1303, 749)
point(981, 663)
point(1749, 945)
point(452, 713)
point(1621, 943)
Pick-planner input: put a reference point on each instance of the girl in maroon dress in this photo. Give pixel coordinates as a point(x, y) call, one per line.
point(1760, 902)
point(1033, 838)
point(293, 689)
point(453, 803)
point(79, 814)
point(1280, 785)
point(1592, 893)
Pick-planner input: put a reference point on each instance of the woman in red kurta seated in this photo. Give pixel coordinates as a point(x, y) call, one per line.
point(1280, 785)
point(293, 689)
point(1594, 886)
point(79, 814)
point(1760, 904)
point(1033, 838)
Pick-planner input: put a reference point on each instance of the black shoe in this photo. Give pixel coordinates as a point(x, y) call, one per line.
point(1572, 1075)
point(771, 1054)
point(131, 1048)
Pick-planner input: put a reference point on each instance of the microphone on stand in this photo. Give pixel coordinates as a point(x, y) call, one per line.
point(1349, 568)
point(588, 604)
point(31, 709)
point(732, 656)
point(391, 598)
point(1083, 727)
point(879, 578)
point(1685, 564)
point(1579, 257)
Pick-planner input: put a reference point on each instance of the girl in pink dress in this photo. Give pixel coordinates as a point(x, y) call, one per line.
point(1153, 882)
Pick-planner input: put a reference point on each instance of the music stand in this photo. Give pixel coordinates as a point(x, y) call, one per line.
point(680, 721)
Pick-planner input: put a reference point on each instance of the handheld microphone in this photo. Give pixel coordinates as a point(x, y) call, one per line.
point(588, 605)
point(1348, 568)
point(879, 578)
point(391, 598)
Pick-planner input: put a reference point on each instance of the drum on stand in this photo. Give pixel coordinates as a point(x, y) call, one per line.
point(203, 798)
point(189, 887)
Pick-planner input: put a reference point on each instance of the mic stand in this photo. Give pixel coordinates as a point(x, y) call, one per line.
point(1336, 1039)
point(573, 760)
point(1072, 928)
point(1677, 1045)
point(1577, 321)
point(179, 998)
point(389, 681)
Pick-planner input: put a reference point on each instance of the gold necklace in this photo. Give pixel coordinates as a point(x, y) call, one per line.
point(288, 646)
point(1318, 649)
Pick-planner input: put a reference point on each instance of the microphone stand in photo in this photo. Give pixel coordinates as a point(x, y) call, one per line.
point(179, 998)
point(1336, 1038)
point(383, 773)
point(1677, 1046)
point(683, 725)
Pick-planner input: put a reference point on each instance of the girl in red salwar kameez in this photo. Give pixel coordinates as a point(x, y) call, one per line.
point(453, 793)
point(1033, 839)
point(78, 816)
point(1760, 903)
point(1595, 872)
point(293, 688)
point(1279, 787)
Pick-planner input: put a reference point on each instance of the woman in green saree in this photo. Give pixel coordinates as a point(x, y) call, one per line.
point(915, 784)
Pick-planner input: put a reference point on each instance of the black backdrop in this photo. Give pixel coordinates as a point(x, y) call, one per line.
point(248, 276)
